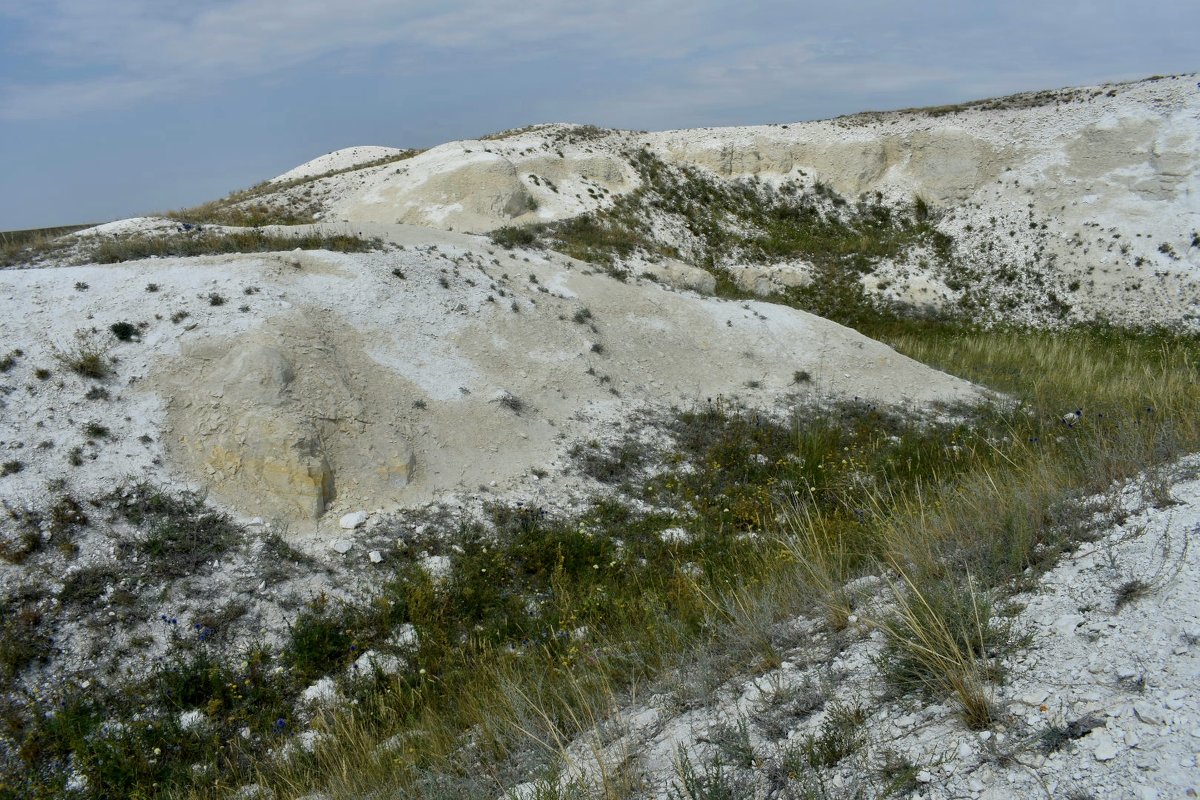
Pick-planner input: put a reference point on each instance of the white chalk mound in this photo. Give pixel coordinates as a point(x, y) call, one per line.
point(387, 379)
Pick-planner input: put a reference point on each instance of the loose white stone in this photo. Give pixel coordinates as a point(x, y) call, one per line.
point(1066, 624)
point(384, 662)
point(1034, 697)
point(192, 720)
point(1148, 713)
point(675, 535)
point(375, 556)
point(341, 546)
point(1106, 748)
point(353, 520)
point(405, 635)
point(924, 776)
point(323, 692)
point(308, 740)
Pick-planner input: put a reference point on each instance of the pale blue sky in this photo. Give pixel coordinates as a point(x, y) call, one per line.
point(110, 108)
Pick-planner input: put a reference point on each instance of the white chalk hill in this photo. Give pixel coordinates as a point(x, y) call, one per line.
point(1091, 193)
point(336, 381)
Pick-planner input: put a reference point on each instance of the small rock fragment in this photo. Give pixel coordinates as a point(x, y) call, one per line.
point(1066, 624)
point(1148, 713)
point(1106, 748)
point(353, 520)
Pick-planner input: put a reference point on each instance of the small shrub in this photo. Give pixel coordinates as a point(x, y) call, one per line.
point(85, 586)
point(801, 376)
point(152, 287)
point(512, 403)
point(714, 782)
point(841, 735)
point(319, 642)
point(66, 514)
point(21, 638)
point(179, 316)
point(42, 374)
point(610, 465)
point(124, 331)
point(215, 299)
point(94, 430)
point(87, 359)
point(583, 316)
point(184, 534)
point(511, 236)
point(80, 286)
point(399, 273)
point(733, 742)
point(920, 209)
point(11, 468)
point(8, 362)
point(1129, 591)
point(18, 545)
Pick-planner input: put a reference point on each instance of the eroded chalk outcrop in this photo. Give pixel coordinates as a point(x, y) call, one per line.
point(286, 418)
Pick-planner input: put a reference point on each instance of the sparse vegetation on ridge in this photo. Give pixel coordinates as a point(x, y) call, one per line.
point(132, 247)
point(273, 202)
point(20, 247)
point(747, 221)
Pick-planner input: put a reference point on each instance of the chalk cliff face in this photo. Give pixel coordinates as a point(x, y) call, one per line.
point(1080, 202)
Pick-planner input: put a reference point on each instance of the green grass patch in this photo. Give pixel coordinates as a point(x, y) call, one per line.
point(131, 248)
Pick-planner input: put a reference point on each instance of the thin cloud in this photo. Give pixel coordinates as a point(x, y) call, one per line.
point(132, 49)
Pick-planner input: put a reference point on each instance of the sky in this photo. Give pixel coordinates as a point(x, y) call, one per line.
point(114, 108)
